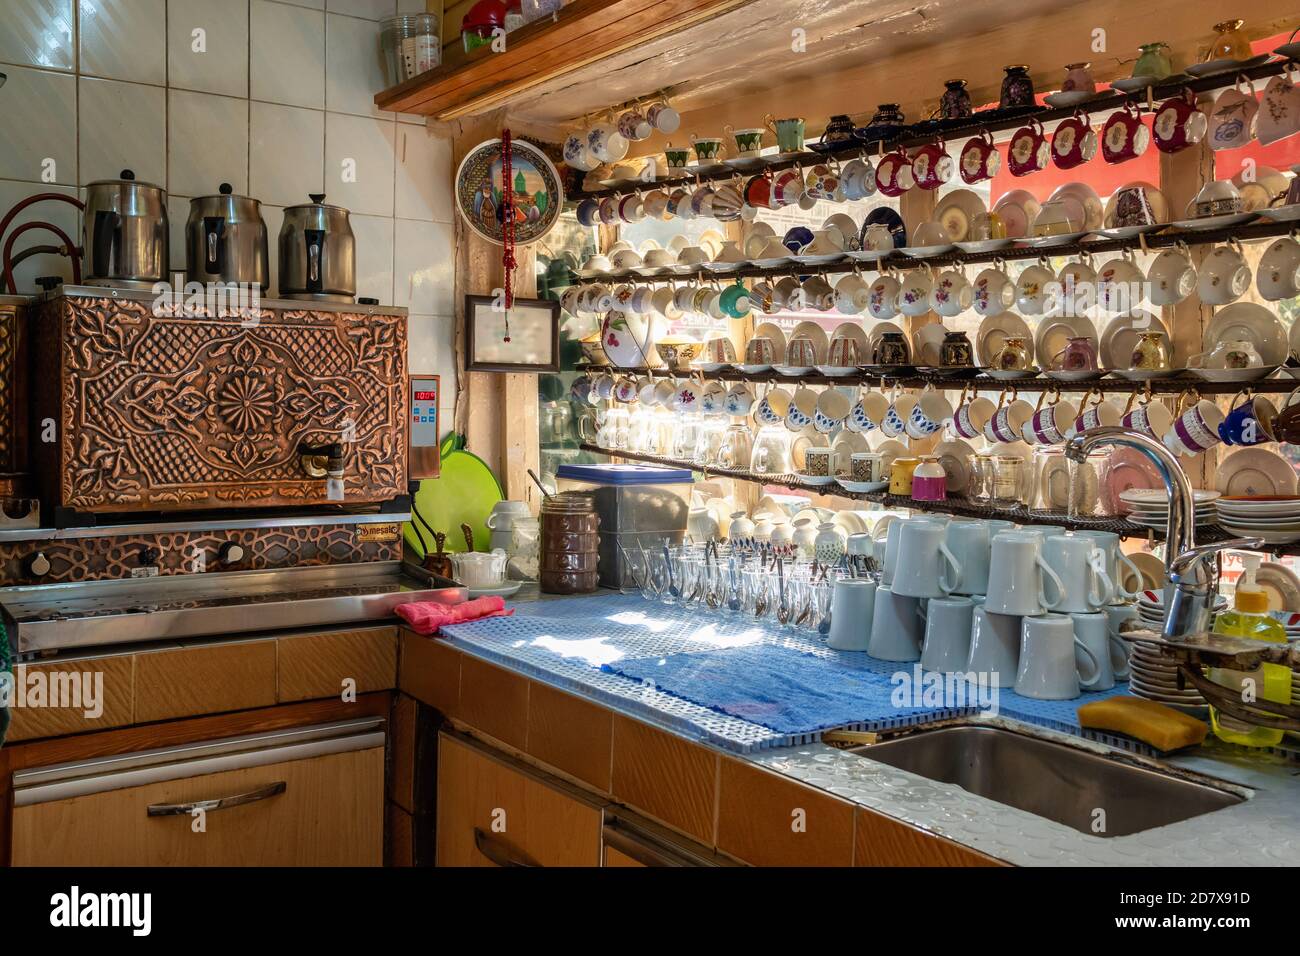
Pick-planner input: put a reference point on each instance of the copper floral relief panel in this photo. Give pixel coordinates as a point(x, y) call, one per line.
point(172, 411)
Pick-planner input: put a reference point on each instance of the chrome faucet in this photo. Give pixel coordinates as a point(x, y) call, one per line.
point(1191, 597)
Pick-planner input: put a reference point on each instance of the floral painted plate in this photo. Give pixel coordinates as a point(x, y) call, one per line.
point(538, 194)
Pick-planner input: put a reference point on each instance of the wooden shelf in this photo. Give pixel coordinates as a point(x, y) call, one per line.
point(581, 33)
point(960, 507)
point(1247, 232)
point(991, 121)
point(918, 378)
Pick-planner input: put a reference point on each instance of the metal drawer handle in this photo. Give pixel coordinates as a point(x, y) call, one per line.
point(497, 852)
point(221, 803)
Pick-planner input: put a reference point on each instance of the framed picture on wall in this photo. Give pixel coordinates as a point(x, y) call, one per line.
point(524, 339)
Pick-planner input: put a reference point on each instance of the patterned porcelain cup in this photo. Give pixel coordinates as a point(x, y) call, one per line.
point(894, 423)
point(1149, 418)
point(802, 408)
point(1196, 429)
point(1050, 423)
point(832, 408)
point(971, 416)
point(928, 415)
point(1101, 412)
point(868, 413)
point(772, 407)
point(1008, 421)
point(1249, 423)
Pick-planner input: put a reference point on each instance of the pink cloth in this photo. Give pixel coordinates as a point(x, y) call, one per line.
point(426, 617)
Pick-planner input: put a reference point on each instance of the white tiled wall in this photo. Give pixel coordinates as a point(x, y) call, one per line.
point(275, 98)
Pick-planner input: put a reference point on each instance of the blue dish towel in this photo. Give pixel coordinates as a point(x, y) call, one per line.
point(786, 690)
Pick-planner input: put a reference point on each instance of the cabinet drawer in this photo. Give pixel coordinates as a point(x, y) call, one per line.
point(494, 812)
point(304, 797)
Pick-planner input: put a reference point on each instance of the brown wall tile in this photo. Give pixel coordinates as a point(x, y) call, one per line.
point(494, 700)
point(429, 671)
point(204, 679)
point(757, 820)
point(29, 723)
point(314, 666)
point(665, 777)
point(883, 841)
point(570, 734)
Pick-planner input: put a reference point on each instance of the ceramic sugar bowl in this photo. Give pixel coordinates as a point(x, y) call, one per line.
point(828, 547)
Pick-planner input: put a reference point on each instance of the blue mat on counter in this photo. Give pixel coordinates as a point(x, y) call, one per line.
point(735, 683)
point(796, 692)
point(783, 689)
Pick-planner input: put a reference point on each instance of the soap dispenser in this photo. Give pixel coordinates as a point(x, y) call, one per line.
point(1249, 618)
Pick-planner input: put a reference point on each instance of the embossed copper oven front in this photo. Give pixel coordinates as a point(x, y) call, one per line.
point(160, 411)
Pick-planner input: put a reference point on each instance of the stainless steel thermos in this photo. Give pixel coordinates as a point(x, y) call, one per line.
point(317, 253)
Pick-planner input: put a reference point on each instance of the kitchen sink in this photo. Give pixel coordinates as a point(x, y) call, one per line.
point(1065, 783)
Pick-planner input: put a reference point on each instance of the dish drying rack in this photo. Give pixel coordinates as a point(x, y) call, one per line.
point(1192, 653)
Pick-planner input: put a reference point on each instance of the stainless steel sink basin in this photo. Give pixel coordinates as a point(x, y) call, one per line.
point(1058, 781)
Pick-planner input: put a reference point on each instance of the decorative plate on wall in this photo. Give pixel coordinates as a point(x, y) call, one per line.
point(538, 193)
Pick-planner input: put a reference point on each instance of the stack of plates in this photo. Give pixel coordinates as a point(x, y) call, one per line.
point(1149, 507)
point(1275, 518)
point(1153, 676)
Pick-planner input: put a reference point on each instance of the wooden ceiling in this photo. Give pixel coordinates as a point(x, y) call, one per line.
point(741, 64)
point(733, 61)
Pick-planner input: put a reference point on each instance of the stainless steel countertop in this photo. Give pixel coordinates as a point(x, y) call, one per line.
point(171, 607)
point(1263, 830)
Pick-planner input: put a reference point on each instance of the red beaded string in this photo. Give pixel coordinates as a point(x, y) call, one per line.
point(507, 225)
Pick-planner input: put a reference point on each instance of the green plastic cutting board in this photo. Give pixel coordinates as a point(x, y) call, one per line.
point(464, 494)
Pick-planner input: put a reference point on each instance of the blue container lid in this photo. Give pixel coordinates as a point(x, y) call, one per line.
point(610, 474)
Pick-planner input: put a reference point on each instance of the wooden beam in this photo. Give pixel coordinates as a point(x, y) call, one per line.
point(582, 33)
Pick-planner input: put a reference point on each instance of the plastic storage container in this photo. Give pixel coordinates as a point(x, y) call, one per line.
point(411, 46)
point(639, 506)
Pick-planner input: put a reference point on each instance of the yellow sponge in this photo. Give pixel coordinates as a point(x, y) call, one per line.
point(1162, 727)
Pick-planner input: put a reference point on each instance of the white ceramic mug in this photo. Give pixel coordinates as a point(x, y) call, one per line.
point(921, 556)
point(1080, 566)
point(897, 625)
point(1017, 573)
point(1119, 567)
point(966, 561)
point(853, 604)
point(1092, 631)
point(994, 646)
point(1048, 666)
point(947, 634)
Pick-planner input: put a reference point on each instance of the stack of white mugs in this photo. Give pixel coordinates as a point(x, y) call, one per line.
point(1032, 608)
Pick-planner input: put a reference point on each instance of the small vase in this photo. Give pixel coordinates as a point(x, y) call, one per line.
point(955, 102)
point(1017, 88)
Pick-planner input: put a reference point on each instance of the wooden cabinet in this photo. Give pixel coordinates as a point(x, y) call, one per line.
point(495, 811)
point(310, 796)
